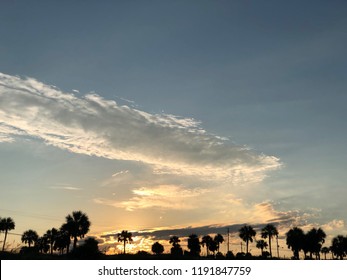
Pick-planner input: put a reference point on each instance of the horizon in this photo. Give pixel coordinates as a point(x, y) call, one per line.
point(161, 116)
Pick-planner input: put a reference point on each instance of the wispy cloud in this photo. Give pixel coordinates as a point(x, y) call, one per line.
point(120, 173)
point(67, 188)
point(92, 125)
point(164, 196)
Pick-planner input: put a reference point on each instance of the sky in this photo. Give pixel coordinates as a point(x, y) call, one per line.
point(173, 117)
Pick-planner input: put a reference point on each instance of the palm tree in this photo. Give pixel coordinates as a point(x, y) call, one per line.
point(77, 225)
point(125, 237)
point(157, 248)
point(194, 245)
point(315, 238)
point(261, 244)
point(174, 240)
point(295, 239)
point(64, 231)
point(269, 231)
point(176, 247)
point(30, 236)
point(62, 241)
point(6, 224)
point(219, 239)
point(246, 233)
point(325, 251)
point(206, 240)
point(42, 244)
point(51, 236)
point(339, 246)
point(213, 247)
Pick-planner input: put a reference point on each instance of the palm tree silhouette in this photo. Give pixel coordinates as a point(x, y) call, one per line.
point(339, 246)
point(194, 245)
point(261, 244)
point(51, 236)
point(314, 239)
point(174, 240)
point(269, 231)
point(206, 240)
point(325, 251)
point(6, 224)
point(30, 236)
point(213, 247)
point(219, 239)
point(246, 233)
point(176, 247)
point(42, 244)
point(77, 225)
point(64, 231)
point(157, 248)
point(125, 237)
point(62, 241)
point(295, 240)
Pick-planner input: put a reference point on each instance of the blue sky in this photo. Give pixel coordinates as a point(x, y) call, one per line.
point(162, 108)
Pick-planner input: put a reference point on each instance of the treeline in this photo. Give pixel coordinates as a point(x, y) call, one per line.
point(77, 224)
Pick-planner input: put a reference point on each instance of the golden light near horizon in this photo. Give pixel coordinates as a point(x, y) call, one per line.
point(173, 118)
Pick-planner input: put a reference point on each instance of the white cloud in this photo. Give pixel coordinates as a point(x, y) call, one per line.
point(120, 173)
point(67, 188)
point(95, 126)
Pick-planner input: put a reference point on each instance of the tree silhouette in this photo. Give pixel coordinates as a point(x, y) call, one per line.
point(6, 224)
point(157, 248)
point(213, 246)
point(269, 231)
point(88, 250)
point(261, 244)
point(339, 246)
point(206, 240)
point(30, 236)
point(64, 231)
point(77, 225)
point(325, 251)
point(125, 237)
point(314, 240)
point(62, 241)
point(174, 240)
point(246, 233)
point(176, 249)
point(219, 239)
point(51, 236)
point(194, 245)
point(295, 239)
point(42, 244)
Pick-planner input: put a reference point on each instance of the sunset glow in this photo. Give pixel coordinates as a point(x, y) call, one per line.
point(172, 118)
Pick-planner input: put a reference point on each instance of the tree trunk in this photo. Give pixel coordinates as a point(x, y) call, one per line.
point(270, 247)
point(296, 254)
point(3, 246)
point(74, 242)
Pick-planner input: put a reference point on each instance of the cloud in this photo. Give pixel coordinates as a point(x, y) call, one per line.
point(65, 188)
point(334, 225)
point(163, 196)
point(95, 126)
point(120, 173)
